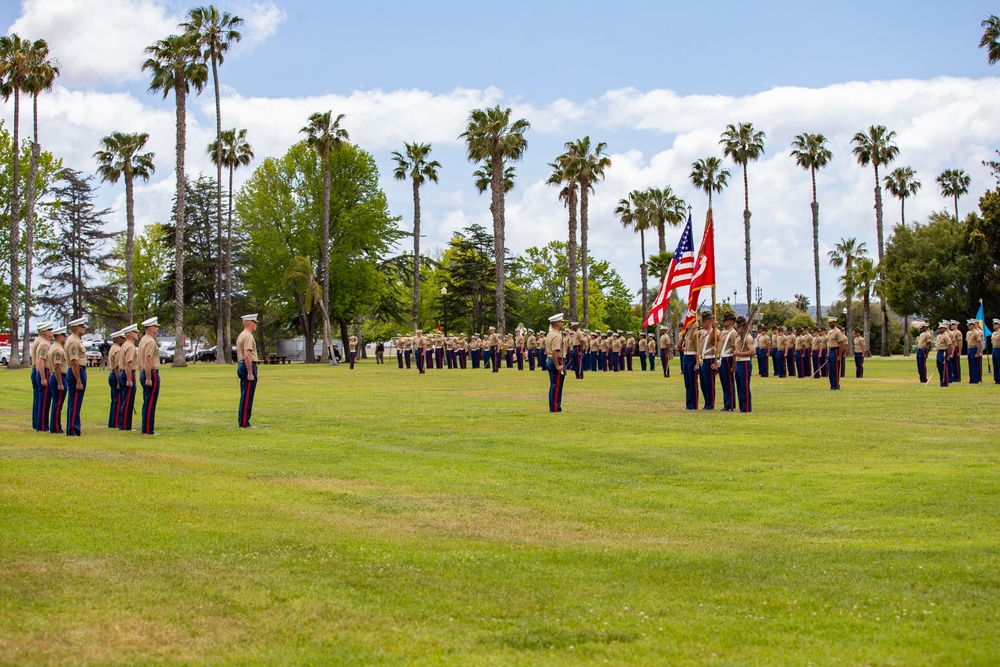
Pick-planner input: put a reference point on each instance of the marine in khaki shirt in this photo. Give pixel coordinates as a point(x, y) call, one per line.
point(114, 356)
point(665, 342)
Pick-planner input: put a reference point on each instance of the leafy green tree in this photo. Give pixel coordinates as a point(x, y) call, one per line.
point(175, 64)
point(983, 249)
point(15, 70)
point(801, 302)
point(811, 153)
point(866, 280)
point(991, 39)
point(742, 143)
point(414, 165)
point(589, 162)
point(214, 32)
point(876, 147)
point(564, 176)
point(78, 254)
point(902, 183)
point(150, 258)
point(954, 183)
point(326, 137)
point(491, 138)
point(120, 157)
point(776, 313)
point(236, 152)
point(633, 214)
point(469, 269)
point(843, 255)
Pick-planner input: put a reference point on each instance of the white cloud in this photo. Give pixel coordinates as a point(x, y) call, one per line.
point(96, 40)
point(261, 21)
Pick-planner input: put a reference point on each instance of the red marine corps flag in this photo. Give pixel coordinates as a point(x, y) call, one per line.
point(678, 275)
point(704, 271)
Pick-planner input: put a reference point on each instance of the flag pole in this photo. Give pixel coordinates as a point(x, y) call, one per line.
point(709, 220)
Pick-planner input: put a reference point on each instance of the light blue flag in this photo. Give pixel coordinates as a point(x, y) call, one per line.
point(981, 316)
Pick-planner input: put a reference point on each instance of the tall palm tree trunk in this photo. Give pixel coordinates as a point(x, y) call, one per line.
point(571, 251)
point(584, 261)
point(956, 208)
point(848, 295)
point(222, 356)
point(746, 231)
point(129, 245)
point(325, 262)
point(497, 208)
point(416, 253)
point(643, 269)
point(881, 271)
point(15, 237)
point(181, 217)
point(29, 232)
point(661, 233)
point(815, 214)
point(227, 329)
point(867, 326)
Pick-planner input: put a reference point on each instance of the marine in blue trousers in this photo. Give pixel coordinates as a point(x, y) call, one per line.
point(555, 364)
point(743, 352)
point(76, 377)
point(41, 391)
point(708, 348)
point(149, 375)
point(126, 378)
point(246, 369)
point(995, 344)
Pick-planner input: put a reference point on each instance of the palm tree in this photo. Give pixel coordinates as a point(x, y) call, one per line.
point(214, 33)
point(491, 138)
point(708, 175)
point(236, 152)
point(15, 68)
point(120, 157)
point(634, 213)
point(843, 256)
point(42, 73)
point(174, 64)
point(300, 271)
point(865, 277)
point(810, 152)
point(991, 39)
point(876, 147)
point(589, 164)
point(902, 183)
point(742, 143)
point(564, 175)
point(414, 165)
point(954, 183)
point(664, 208)
point(483, 177)
point(325, 135)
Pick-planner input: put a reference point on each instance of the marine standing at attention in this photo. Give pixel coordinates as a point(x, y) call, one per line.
point(418, 349)
point(126, 380)
point(974, 342)
point(352, 343)
point(76, 377)
point(114, 367)
point(835, 339)
point(859, 354)
point(246, 369)
point(493, 343)
point(995, 342)
point(708, 350)
point(57, 375)
point(727, 362)
point(743, 351)
point(555, 364)
point(41, 395)
point(944, 344)
point(924, 341)
point(763, 349)
point(149, 374)
point(665, 345)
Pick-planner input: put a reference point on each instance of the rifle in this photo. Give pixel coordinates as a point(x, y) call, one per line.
point(749, 323)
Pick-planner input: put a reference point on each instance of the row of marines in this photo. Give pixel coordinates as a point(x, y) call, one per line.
point(59, 376)
point(947, 344)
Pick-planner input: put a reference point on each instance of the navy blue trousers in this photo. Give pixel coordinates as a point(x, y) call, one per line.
point(690, 373)
point(859, 365)
point(74, 401)
point(996, 366)
point(762, 363)
point(975, 366)
point(126, 401)
point(150, 395)
point(727, 378)
point(744, 369)
point(41, 402)
point(555, 386)
point(247, 390)
point(942, 367)
point(115, 399)
point(922, 365)
point(833, 364)
point(706, 376)
point(664, 362)
point(58, 398)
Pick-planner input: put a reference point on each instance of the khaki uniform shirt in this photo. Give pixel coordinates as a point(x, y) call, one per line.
point(835, 338)
point(245, 342)
point(727, 342)
point(690, 342)
point(128, 357)
point(493, 340)
point(665, 342)
point(943, 341)
point(643, 345)
point(807, 342)
point(148, 349)
point(56, 357)
point(995, 339)
point(616, 344)
point(114, 357)
point(859, 344)
point(605, 345)
point(742, 344)
point(763, 341)
point(925, 340)
point(630, 343)
point(75, 350)
point(956, 339)
point(974, 339)
point(708, 342)
point(553, 342)
point(40, 350)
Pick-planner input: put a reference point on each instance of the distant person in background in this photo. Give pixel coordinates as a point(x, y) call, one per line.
point(859, 354)
point(129, 361)
point(246, 369)
point(995, 342)
point(944, 345)
point(57, 378)
point(924, 341)
point(555, 363)
point(76, 378)
point(352, 343)
point(380, 352)
point(41, 391)
point(974, 342)
point(149, 374)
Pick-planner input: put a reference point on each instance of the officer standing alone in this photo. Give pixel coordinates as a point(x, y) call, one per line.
point(246, 369)
point(149, 374)
point(555, 363)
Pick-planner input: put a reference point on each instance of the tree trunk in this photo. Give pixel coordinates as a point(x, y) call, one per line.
point(129, 243)
point(661, 232)
point(497, 208)
point(815, 213)
point(180, 92)
point(643, 269)
point(571, 251)
point(584, 261)
point(906, 335)
point(848, 294)
point(29, 232)
point(881, 269)
point(220, 357)
point(344, 336)
point(746, 233)
point(416, 254)
point(15, 237)
point(325, 261)
point(227, 329)
point(956, 208)
point(867, 327)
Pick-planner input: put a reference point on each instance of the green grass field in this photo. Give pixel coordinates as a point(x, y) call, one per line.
point(377, 517)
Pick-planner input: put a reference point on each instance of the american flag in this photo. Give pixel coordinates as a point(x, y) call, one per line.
point(678, 275)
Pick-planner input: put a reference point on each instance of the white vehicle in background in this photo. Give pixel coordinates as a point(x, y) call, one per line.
point(4, 354)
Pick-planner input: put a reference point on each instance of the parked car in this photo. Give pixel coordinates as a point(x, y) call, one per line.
point(93, 353)
point(4, 354)
point(167, 353)
point(208, 354)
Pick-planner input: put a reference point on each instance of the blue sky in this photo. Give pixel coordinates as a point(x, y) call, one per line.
point(658, 81)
